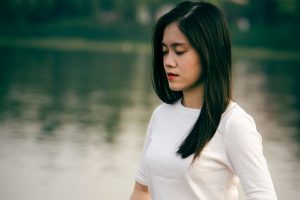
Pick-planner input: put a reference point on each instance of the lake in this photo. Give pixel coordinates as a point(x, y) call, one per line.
point(72, 123)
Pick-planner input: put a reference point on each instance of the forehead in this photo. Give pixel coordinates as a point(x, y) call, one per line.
point(172, 34)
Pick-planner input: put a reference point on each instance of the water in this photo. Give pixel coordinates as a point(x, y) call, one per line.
point(72, 124)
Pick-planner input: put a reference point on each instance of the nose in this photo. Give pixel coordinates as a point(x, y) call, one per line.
point(169, 60)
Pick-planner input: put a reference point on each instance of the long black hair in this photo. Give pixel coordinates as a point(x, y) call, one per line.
point(206, 29)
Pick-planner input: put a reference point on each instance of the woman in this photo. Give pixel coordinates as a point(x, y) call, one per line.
point(199, 143)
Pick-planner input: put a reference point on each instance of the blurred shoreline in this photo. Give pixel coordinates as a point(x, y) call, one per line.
point(283, 36)
point(127, 46)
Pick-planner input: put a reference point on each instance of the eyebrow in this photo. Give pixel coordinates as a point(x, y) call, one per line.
point(175, 44)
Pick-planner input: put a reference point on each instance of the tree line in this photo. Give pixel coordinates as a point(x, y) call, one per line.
point(42, 11)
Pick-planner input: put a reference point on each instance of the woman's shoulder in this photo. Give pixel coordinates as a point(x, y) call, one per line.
point(235, 112)
point(240, 132)
point(235, 117)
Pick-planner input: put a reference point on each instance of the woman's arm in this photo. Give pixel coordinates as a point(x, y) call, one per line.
point(140, 192)
point(244, 148)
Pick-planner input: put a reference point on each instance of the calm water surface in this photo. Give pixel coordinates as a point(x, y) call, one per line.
point(72, 125)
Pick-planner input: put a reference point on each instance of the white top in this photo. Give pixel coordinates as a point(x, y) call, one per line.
point(234, 151)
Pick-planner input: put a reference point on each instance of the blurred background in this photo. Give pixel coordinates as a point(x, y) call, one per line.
point(76, 96)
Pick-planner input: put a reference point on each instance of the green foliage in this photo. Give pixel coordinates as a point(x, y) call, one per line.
point(32, 11)
point(268, 20)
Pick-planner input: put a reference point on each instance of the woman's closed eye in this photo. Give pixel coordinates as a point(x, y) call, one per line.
point(176, 52)
point(179, 52)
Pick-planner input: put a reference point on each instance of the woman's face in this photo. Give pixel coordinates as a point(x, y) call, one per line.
point(181, 61)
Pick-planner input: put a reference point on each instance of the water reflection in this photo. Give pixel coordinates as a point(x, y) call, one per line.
point(52, 88)
point(283, 82)
point(72, 124)
point(71, 120)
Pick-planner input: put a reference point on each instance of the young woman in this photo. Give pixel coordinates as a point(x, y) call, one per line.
point(199, 143)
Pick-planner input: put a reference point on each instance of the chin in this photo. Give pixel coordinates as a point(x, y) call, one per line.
point(175, 89)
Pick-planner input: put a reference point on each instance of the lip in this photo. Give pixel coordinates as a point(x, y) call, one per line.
point(171, 75)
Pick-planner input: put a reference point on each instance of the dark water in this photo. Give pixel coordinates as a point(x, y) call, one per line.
point(72, 125)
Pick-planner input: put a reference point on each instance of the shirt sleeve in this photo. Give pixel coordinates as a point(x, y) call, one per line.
point(244, 148)
point(141, 174)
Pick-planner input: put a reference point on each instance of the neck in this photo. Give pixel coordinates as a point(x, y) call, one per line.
point(192, 98)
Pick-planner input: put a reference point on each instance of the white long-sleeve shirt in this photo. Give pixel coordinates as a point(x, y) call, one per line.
point(233, 154)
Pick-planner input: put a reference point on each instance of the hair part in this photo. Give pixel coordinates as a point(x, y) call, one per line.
point(207, 31)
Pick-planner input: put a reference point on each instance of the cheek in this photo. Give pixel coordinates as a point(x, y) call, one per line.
point(193, 65)
point(196, 75)
point(197, 68)
point(194, 71)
